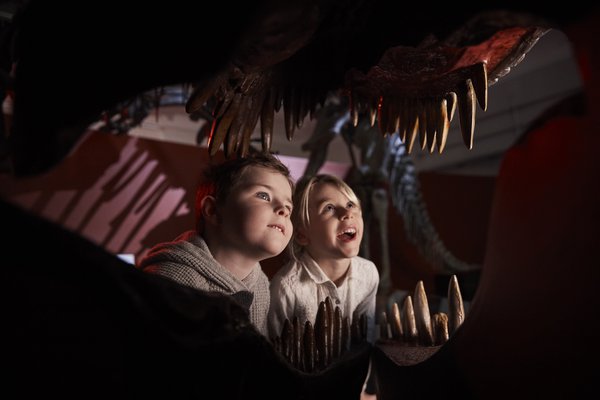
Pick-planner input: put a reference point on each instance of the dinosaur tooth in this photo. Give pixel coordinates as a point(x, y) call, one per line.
point(396, 322)
point(451, 105)
point(329, 313)
point(288, 116)
point(413, 125)
point(336, 342)
point(353, 109)
point(220, 126)
point(439, 322)
point(410, 324)
point(296, 336)
point(384, 326)
point(321, 332)
point(373, 114)
point(422, 315)
point(286, 339)
point(309, 347)
point(402, 125)
point(250, 124)
point(456, 311)
point(383, 112)
point(201, 94)
point(466, 111)
point(345, 334)
point(422, 124)
point(443, 125)
point(267, 117)
point(480, 84)
point(431, 115)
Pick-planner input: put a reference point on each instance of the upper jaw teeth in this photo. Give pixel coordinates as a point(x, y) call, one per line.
point(280, 229)
point(349, 231)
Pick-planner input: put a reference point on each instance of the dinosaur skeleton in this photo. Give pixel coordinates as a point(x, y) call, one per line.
point(384, 163)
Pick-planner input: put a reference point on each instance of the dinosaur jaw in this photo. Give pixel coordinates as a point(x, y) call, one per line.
point(415, 91)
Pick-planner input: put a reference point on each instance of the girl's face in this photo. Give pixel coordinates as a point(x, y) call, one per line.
point(336, 225)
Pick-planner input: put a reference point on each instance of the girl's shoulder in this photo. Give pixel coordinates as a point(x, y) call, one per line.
point(366, 267)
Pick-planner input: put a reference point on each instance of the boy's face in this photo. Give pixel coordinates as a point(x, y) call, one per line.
point(255, 218)
point(336, 225)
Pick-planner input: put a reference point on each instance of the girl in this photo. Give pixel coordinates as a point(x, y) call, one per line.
point(328, 229)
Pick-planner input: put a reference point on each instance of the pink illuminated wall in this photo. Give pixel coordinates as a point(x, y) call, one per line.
point(125, 193)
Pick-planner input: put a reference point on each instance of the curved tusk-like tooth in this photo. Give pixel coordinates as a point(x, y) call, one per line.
point(451, 105)
point(421, 105)
point(321, 332)
point(353, 109)
point(230, 145)
point(410, 325)
point(443, 126)
point(422, 315)
point(439, 322)
point(364, 326)
point(286, 339)
point(402, 124)
point(383, 326)
point(355, 332)
point(336, 342)
point(309, 347)
point(267, 117)
point(345, 334)
point(301, 107)
point(201, 94)
point(413, 123)
point(466, 112)
point(413, 133)
point(330, 316)
point(288, 113)
point(480, 84)
point(396, 322)
point(372, 114)
point(220, 126)
point(296, 336)
point(249, 125)
point(456, 311)
point(383, 111)
point(432, 116)
point(394, 116)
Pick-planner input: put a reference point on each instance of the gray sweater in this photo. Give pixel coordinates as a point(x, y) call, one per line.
point(188, 260)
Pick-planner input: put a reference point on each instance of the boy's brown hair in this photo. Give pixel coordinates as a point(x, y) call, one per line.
point(220, 179)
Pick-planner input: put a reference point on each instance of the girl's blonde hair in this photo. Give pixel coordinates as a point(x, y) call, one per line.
point(300, 214)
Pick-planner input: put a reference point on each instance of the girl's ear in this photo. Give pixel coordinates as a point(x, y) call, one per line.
point(208, 208)
point(301, 237)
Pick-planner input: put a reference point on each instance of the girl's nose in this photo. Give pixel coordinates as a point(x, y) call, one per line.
point(283, 210)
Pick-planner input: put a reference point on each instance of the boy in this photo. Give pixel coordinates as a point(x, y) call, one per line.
point(242, 217)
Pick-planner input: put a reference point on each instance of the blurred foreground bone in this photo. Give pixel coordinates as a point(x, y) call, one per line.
point(314, 348)
point(414, 326)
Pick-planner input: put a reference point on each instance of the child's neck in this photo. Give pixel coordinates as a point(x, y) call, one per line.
point(236, 263)
point(335, 269)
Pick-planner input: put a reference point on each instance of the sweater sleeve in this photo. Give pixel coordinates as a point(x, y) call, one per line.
point(178, 273)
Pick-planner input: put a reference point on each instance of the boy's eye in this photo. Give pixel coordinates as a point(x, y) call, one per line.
point(351, 205)
point(264, 196)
